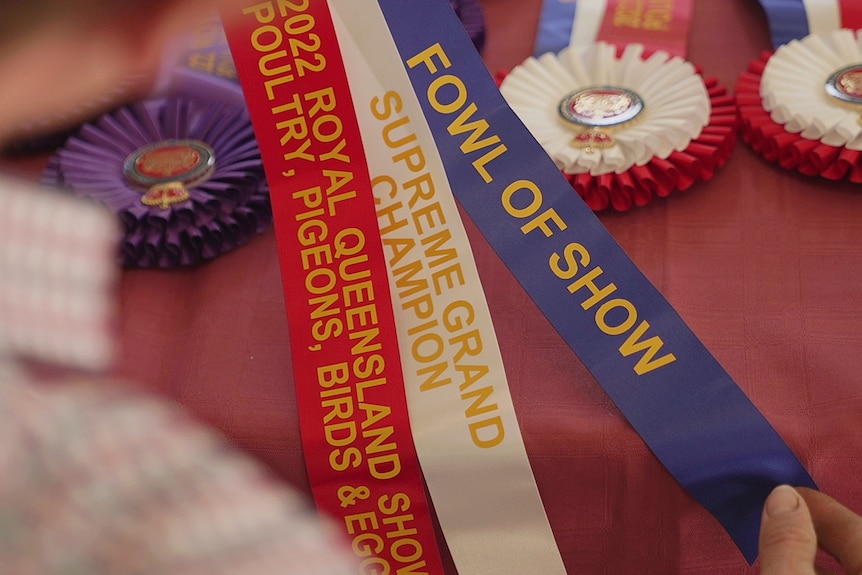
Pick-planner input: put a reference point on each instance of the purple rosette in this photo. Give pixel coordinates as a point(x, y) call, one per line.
point(184, 175)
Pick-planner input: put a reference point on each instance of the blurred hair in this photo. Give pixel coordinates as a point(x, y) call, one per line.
point(21, 16)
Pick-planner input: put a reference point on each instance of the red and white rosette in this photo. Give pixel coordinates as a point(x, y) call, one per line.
point(623, 127)
point(801, 106)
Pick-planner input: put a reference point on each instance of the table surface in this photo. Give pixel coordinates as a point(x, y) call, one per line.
point(764, 265)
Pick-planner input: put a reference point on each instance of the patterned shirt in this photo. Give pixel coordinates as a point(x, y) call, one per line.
point(97, 478)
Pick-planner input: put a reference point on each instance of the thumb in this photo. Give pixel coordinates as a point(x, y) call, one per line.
point(788, 543)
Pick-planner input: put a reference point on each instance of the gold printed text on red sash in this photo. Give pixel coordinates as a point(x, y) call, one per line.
point(359, 452)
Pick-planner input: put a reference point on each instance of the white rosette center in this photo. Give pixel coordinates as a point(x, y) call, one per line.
point(675, 102)
point(796, 85)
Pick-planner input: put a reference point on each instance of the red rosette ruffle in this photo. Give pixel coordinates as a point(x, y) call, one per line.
point(789, 150)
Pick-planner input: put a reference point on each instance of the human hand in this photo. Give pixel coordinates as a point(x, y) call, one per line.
point(796, 521)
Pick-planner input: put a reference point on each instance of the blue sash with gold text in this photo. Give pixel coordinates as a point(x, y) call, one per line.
point(687, 409)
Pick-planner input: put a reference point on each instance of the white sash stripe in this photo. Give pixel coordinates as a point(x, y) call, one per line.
point(589, 15)
point(486, 499)
point(824, 16)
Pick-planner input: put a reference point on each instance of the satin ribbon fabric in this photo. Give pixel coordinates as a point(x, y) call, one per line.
point(461, 413)
point(795, 19)
point(555, 26)
point(360, 456)
point(695, 419)
point(657, 24)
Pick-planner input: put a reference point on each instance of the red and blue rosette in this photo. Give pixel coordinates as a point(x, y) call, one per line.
point(623, 127)
point(184, 175)
point(800, 106)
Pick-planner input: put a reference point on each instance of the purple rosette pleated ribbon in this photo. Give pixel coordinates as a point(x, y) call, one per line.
point(220, 210)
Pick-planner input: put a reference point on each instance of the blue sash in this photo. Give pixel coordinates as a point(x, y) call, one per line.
point(687, 409)
point(787, 20)
point(555, 26)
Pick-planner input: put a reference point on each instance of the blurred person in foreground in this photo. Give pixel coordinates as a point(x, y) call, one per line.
point(98, 479)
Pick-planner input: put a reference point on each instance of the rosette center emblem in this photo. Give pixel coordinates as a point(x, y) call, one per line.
point(165, 170)
point(595, 109)
point(845, 85)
